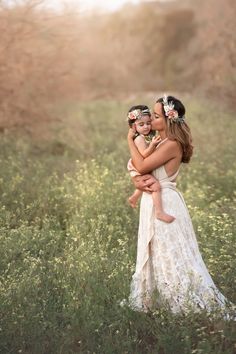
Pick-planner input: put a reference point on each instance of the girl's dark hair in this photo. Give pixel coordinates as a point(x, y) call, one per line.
point(142, 107)
point(179, 131)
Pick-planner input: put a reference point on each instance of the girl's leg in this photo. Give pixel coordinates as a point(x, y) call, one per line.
point(135, 197)
point(159, 212)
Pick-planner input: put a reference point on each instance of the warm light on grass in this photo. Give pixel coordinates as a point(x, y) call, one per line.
point(68, 238)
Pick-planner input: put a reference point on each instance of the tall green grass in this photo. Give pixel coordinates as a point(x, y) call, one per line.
point(68, 237)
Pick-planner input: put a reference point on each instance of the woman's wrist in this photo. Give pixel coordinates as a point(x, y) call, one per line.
point(131, 135)
point(131, 141)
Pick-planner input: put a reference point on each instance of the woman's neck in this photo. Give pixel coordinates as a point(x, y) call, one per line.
point(162, 135)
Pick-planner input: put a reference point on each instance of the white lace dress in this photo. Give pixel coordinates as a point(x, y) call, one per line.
point(168, 257)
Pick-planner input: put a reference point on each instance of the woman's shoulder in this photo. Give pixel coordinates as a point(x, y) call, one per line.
point(170, 145)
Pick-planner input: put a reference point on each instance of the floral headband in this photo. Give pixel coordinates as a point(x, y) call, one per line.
point(170, 112)
point(138, 113)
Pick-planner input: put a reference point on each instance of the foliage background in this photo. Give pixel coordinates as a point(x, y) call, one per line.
point(68, 237)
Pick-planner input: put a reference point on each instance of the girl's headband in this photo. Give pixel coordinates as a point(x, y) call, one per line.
point(138, 113)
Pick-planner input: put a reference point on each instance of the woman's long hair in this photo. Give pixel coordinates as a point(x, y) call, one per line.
point(178, 131)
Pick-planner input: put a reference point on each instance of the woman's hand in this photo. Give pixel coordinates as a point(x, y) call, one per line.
point(144, 183)
point(131, 133)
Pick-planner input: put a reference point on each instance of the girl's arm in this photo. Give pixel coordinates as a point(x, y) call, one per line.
point(148, 151)
point(144, 149)
point(166, 152)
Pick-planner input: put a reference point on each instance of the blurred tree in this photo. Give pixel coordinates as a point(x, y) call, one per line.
point(47, 56)
point(36, 58)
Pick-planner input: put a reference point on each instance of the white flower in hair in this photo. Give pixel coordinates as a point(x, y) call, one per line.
point(170, 112)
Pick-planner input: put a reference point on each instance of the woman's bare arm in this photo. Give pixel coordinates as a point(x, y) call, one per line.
point(166, 152)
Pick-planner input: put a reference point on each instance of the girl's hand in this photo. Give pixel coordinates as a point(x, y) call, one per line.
point(155, 141)
point(131, 133)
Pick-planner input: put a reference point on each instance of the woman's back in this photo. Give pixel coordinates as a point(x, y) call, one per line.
point(161, 174)
point(169, 171)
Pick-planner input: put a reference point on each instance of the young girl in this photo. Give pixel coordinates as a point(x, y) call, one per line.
point(139, 117)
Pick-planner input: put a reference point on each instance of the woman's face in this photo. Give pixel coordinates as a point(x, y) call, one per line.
point(158, 119)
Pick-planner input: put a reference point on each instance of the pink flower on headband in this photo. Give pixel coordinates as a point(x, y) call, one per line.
point(135, 114)
point(172, 114)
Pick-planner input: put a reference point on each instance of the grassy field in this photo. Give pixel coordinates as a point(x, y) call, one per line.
point(68, 237)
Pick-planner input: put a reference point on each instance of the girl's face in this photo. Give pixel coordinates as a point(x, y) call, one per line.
point(158, 119)
point(143, 125)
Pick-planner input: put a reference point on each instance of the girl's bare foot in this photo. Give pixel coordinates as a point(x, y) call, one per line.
point(132, 202)
point(164, 217)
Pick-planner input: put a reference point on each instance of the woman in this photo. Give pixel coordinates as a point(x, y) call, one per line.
point(169, 263)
